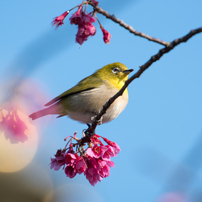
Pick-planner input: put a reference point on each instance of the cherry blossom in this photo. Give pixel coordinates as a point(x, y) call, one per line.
point(84, 21)
point(58, 21)
point(106, 35)
point(94, 161)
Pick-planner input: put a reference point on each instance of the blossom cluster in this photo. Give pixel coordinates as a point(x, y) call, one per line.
point(84, 22)
point(13, 126)
point(85, 26)
point(94, 162)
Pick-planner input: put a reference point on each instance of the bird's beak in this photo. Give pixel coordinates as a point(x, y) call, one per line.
point(128, 71)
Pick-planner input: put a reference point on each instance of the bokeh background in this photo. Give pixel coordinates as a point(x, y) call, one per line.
point(159, 132)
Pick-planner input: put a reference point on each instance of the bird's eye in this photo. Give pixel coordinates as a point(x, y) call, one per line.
point(115, 70)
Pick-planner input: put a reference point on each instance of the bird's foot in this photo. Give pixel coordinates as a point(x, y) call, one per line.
point(99, 122)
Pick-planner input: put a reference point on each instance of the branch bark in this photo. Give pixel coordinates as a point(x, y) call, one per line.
point(126, 26)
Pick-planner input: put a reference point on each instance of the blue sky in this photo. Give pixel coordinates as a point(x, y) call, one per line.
point(159, 129)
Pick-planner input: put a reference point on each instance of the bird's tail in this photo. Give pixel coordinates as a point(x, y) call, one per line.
point(50, 110)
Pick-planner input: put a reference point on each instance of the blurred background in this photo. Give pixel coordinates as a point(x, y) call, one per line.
point(159, 132)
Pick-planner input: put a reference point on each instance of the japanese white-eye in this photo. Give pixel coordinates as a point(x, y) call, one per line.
point(86, 99)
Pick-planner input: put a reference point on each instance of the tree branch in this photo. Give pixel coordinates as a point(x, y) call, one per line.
point(126, 26)
point(90, 131)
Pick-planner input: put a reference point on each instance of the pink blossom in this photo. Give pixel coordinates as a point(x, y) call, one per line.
point(114, 146)
point(58, 161)
point(110, 164)
point(81, 36)
point(92, 176)
point(96, 151)
point(13, 126)
point(84, 31)
point(76, 17)
point(70, 171)
point(80, 18)
point(95, 139)
point(108, 153)
point(87, 18)
point(106, 35)
point(90, 29)
point(95, 162)
point(91, 173)
point(80, 165)
point(55, 164)
point(85, 26)
point(58, 21)
point(103, 168)
point(70, 158)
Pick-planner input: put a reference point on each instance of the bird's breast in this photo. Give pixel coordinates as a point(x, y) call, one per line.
point(84, 105)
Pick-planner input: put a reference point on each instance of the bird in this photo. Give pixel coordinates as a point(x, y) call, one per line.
point(86, 99)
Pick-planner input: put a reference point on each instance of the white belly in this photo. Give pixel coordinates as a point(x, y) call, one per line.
point(92, 103)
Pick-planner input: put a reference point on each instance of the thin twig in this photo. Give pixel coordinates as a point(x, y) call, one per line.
point(126, 26)
point(90, 131)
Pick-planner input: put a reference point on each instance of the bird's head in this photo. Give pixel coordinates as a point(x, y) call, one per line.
point(114, 74)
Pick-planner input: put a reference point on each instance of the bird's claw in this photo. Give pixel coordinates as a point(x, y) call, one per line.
point(99, 122)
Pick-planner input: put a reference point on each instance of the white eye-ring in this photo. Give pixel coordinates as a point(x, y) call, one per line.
point(115, 70)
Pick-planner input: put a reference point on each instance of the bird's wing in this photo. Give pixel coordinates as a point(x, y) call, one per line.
point(86, 84)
